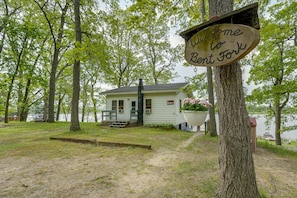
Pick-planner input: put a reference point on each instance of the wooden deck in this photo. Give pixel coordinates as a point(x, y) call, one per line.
point(119, 123)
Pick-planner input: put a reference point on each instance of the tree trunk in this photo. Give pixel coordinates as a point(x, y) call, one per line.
point(94, 103)
point(55, 63)
point(45, 106)
point(10, 87)
point(237, 174)
point(277, 123)
point(24, 104)
point(95, 112)
point(83, 110)
point(235, 156)
point(212, 118)
point(52, 88)
point(84, 99)
point(61, 97)
point(7, 104)
point(65, 112)
point(278, 107)
point(74, 126)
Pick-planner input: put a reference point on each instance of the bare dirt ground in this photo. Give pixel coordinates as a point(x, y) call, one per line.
point(127, 176)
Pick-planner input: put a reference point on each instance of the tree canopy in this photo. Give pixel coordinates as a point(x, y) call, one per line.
point(275, 64)
point(122, 41)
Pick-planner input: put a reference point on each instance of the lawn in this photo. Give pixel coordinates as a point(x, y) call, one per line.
point(180, 164)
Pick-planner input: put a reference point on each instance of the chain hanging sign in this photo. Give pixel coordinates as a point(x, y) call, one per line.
point(217, 42)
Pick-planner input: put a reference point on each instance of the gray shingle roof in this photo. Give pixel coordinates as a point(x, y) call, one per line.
point(147, 88)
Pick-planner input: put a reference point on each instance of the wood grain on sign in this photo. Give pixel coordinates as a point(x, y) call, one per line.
point(247, 15)
point(221, 44)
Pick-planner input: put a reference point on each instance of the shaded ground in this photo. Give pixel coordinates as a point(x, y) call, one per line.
point(156, 173)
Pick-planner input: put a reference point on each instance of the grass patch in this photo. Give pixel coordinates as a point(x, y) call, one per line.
point(30, 138)
point(161, 126)
point(168, 170)
point(280, 150)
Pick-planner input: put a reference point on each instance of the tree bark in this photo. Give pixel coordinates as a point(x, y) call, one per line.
point(94, 100)
point(277, 122)
point(24, 104)
point(235, 157)
point(212, 118)
point(45, 107)
point(237, 174)
point(60, 100)
point(74, 126)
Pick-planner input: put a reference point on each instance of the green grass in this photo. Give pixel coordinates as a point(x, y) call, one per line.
point(22, 139)
point(280, 150)
point(194, 173)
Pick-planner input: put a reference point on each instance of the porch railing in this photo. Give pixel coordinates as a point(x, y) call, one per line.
point(109, 115)
point(112, 115)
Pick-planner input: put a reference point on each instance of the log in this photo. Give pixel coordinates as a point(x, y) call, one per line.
point(100, 143)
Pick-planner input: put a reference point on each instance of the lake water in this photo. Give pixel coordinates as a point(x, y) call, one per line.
point(261, 128)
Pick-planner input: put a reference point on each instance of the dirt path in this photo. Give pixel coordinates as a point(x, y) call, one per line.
point(275, 174)
point(156, 172)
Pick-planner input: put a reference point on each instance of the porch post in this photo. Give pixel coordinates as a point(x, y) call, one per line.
point(140, 103)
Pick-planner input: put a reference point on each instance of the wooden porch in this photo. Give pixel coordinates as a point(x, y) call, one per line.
point(110, 118)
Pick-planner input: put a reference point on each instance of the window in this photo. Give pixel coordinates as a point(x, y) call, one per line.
point(133, 105)
point(170, 102)
point(114, 105)
point(121, 106)
point(148, 105)
point(133, 108)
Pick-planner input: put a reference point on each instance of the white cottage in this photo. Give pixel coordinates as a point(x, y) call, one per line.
point(145, 104)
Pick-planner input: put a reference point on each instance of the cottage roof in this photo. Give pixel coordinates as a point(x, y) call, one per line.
point(146, 89)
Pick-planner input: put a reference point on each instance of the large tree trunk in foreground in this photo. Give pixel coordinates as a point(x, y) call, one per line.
point(235, 157)
point(237, 174)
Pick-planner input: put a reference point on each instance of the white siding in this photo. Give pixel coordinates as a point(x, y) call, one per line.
point(162, 113)
point(179, 116)
point(127, 104)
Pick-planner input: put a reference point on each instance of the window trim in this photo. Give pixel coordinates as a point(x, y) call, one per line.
point(148, 105)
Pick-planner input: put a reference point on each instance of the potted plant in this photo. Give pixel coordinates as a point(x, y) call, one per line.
point(195, 110)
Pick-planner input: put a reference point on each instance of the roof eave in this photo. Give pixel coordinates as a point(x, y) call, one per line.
point(118, 93)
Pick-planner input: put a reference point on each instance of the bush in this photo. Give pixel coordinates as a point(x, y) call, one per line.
point(161, 126)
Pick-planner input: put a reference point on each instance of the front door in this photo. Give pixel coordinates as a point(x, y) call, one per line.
point(133, 115)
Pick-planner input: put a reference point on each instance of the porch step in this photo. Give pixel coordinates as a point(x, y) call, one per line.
point(119, 124)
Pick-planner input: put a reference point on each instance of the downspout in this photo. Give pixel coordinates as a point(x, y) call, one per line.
point(140, 103)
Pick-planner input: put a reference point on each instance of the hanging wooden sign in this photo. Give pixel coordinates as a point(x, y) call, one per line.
point(221, 44)
point(246, 16)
